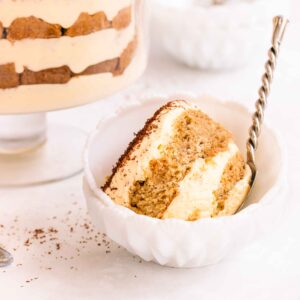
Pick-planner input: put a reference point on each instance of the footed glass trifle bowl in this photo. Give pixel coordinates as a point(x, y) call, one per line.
point(55, 56)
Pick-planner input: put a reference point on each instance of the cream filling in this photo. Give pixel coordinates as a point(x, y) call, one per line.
point(64, 13)
point(78, 91)
point(76, 52)
point(196, 191)
point(136, 169)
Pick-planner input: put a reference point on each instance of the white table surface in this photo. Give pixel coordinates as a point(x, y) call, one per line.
point(82, 269)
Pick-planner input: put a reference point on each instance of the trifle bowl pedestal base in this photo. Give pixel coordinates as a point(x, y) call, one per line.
point(34, 153)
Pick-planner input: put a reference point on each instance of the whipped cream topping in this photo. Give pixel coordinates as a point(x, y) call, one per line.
point(64, 13)
point(76, 52)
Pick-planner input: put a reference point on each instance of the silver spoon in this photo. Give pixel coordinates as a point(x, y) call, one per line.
point(280, 24)
point(5, 258)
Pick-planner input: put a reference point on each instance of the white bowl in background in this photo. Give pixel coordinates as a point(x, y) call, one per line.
point(173, 242)
point(215, 37)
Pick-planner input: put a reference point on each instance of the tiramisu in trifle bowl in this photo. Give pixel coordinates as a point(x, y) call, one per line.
point(55, 56)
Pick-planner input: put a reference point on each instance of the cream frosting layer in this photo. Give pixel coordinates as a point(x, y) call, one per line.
point(78, 91)
point(196, 191)
point(76, 52)
point(64, 13)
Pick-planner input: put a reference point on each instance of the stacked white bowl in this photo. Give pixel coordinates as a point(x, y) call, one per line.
point(207, 35)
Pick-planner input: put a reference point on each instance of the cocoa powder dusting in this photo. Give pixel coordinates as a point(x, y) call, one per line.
point(65, 240)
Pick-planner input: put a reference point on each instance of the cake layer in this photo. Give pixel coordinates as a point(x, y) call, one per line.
point(35, 28)
point(10, 78)
point(233, 172)
point(1, 30)
point(232, 199)
point(179, 166)
point(64, 13)
point(77, 53)
point(78, 91)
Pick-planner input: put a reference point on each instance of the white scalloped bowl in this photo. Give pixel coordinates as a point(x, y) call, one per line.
point(215, 37)
point(173, 242)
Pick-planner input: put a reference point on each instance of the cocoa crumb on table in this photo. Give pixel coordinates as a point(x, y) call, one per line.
point(38, 231)
point(43, 242)
point(52, 230)
point(31, 279)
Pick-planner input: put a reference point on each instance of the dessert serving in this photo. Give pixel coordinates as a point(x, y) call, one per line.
point(181, 165)
point(165, 197)
point(55, 56)
point(174, 242)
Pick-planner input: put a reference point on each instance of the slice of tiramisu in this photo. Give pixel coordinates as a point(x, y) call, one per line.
point(181, 165)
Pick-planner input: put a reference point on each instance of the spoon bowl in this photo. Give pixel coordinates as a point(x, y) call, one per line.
point(5, 258)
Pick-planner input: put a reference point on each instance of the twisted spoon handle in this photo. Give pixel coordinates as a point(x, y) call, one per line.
point(280, 24)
